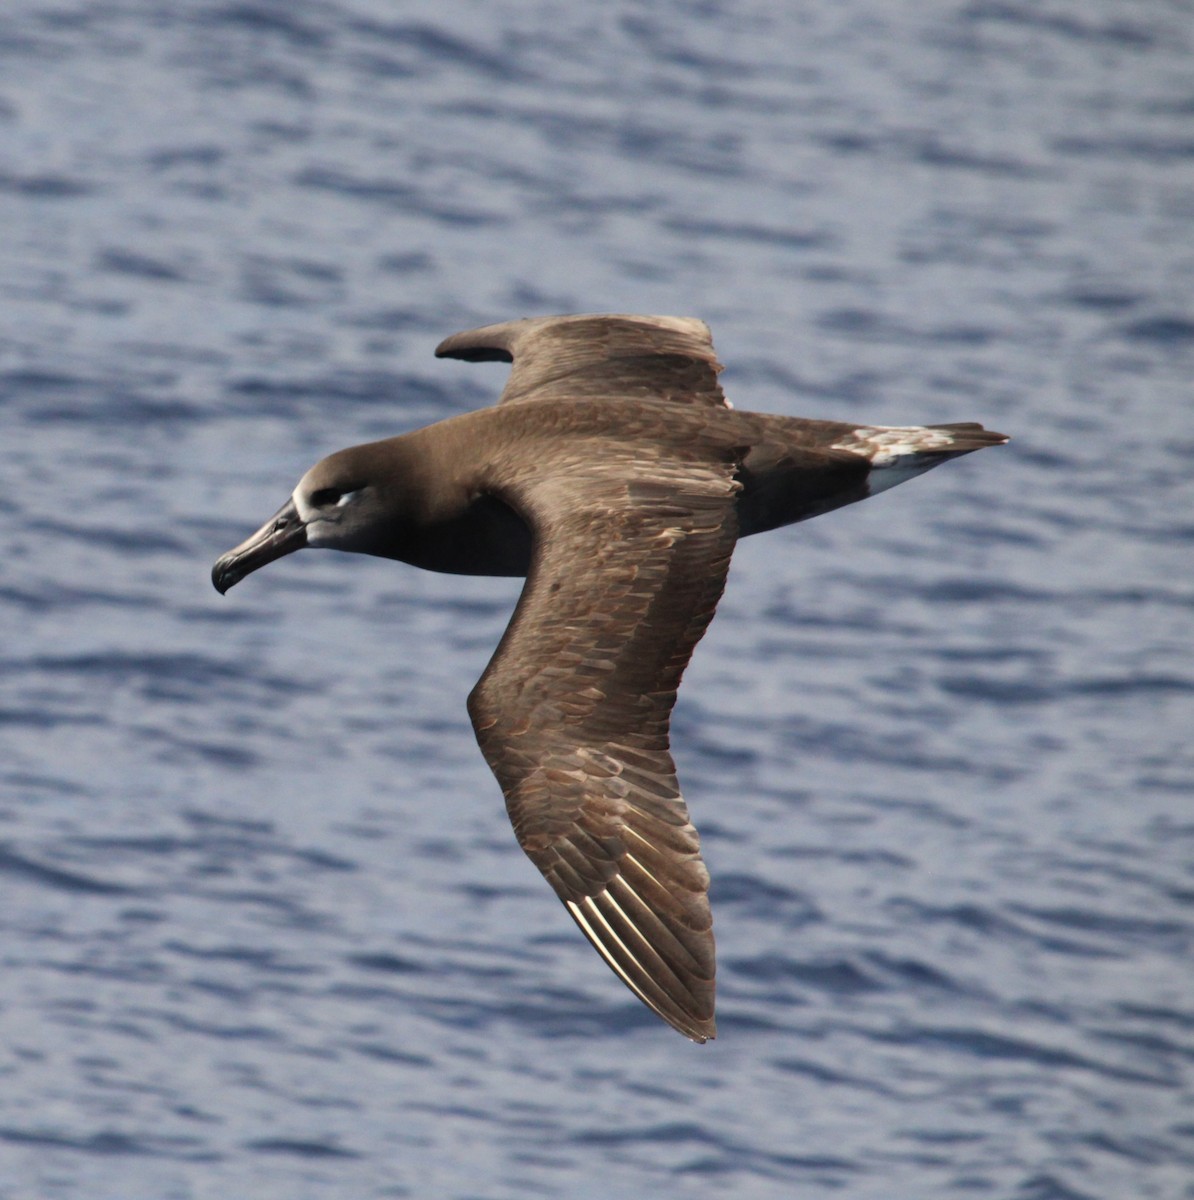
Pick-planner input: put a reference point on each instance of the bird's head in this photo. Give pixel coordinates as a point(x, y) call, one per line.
point(338, 504)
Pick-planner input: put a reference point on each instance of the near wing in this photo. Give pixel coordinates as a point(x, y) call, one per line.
point(572, 713)
point(570, 358)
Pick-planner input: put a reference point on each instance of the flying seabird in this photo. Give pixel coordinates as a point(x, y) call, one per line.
point(616, 477)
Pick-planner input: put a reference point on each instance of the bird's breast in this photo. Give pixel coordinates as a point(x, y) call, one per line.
point(485, 537)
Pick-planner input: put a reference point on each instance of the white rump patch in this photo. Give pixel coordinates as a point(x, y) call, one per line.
point(882, 443)
point(894, 451)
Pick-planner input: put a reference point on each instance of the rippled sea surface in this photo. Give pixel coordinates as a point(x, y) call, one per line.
point(265, 929)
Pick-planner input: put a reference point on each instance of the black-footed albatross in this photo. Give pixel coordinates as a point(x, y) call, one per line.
point(616, 477)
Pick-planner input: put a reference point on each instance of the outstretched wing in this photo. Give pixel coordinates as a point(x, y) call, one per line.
point(572, 713)
point(569, 358)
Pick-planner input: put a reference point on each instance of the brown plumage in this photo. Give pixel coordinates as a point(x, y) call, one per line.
point(616, 477)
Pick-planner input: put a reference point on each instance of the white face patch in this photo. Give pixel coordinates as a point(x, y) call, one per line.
point(320, 531)
point(305, 511)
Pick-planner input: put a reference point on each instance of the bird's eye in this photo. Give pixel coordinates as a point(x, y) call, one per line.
point(333, 497)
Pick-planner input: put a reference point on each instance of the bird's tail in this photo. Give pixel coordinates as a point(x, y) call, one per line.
point(899, 452)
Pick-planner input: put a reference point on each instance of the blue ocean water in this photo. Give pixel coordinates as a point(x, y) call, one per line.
point(265, 928)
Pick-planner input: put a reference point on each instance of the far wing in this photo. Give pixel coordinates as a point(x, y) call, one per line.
point(573, 711)
point(568, 358)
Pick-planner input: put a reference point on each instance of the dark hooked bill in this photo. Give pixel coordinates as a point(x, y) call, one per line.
point(282, 534)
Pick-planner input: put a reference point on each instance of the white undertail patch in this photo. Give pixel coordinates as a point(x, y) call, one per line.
point(894, 451)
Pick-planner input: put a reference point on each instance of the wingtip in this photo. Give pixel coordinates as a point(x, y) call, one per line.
point(687, 1009)
point(500, 342)
point(473, 346)
point(706, 1032)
